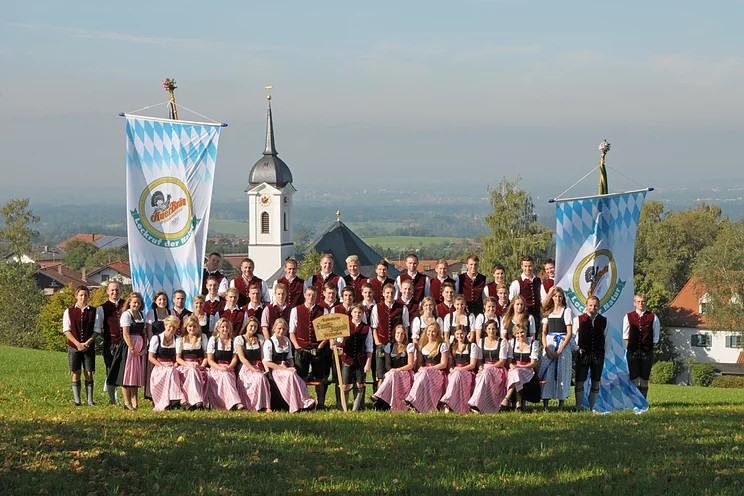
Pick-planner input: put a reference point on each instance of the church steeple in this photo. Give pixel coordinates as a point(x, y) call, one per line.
point(270, 168)
point(270, 145)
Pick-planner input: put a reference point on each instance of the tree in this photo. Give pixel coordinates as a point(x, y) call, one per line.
point(515, 231)
point(667, 245)
point(720, 269)
point(50, 319)
point(310, 265)
point(17, 229)
point(77, 253)
point(103, 257)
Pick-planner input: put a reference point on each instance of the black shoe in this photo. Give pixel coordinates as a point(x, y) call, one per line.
point(77, 404)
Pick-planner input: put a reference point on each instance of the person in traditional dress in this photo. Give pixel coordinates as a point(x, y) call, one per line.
point(430, 381)
point(368, 300)
point(459, 317)
point(206, 321)
point(165, 382)
point(489, 313)
point(447, 305)
point(548, 283)
point(517, 314)
point(398, 380)
point(191, 356)
point(425, 317)
point(421, 282)
point(347, 301)
point(212, 268)
point(274, 310)
point(222, 388)
point(232, 312)
point(591, 337)
point(521, 371)
point(490, 383)
point(326, 274)
point(135, 336)
point(502, 300)
point(253, 385)
point(107, 325)
point(405, 296)
point(381, 278)
point(78, 326)
point(330, 296)
point(356, 356)
point(436, 284)
point(385, 317)
point(312, 356)
point(245, 280)
point(528, 286)
point(641, 332)
point(499, 278)
point(254, 307)
point(461, 379)
point(213, 301)
point(354, 279)
point(155, 325)
point(179, 310)
point(556, 364)
point(471, 285)
point(288, 390)
point(295, 285)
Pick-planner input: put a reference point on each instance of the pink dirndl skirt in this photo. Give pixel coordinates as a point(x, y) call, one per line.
point(460, 384)
point(222, 390)
point(254, 389)
point(428, 388)
point(165, 385)
point(193, 384)
point(134, 370)
point(293, 390)
point(490, 389)
point(518, 377)
point(394, 389)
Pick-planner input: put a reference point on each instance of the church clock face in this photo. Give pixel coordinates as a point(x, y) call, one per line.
point(264, 200)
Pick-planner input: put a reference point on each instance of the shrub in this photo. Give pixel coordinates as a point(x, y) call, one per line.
point(702, 374)
point(663, 372)
point(728, 381)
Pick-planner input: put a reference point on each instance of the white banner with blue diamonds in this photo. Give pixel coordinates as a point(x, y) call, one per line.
point(170, 170)
point(595, 243)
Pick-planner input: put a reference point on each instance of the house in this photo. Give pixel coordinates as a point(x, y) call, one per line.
point(53, 278)
point(693, 338)
point(115, 271)
point(101, 241)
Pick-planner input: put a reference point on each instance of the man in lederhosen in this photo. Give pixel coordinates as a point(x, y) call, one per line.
point(312, 358)
point(78, 326)
point(641, 331)
point(591, 337)
point(107, 325)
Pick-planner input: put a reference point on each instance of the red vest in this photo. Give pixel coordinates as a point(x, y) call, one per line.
point(205, 274)
point(412, 306)
point(377, 287)
point(591, 336)
point(435, 287)
point(387, 320)
point(253, 312)
point(236, 318)
point(547, 284)
point(110, 328)
point(357, 285)
point(641, 331)
point(419, 284)
point(318, 281)
point(274, 312)
point(340, 308)
point(243, 288)
point(82, 321)
point(472, 290)
point(215, 307)
point(354, 351)
point(443, 310)
point(305, 333)
point(181, 317)
point(530, 291)
point(295, 291)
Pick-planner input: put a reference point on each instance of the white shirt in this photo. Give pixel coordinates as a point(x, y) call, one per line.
point(530, 332)
point(67, 323)
point(182, 345)
point(369, 342)
point(427, 284)
point(293, 319)
point(267, 348)
point(265, 297)
point(534, 349)
point(515, 288)
point(98, 326)
point(340, 283)
point(656, 327)
point(417, 326)
point(375, 320)
point(450, 322)
point(475, 352)
point(567, 317)
point(504, 349)
point(222, 288)
point(127, 319)
point(155, 341)
point(410, 348)
point(240, 342)
point(215, 344)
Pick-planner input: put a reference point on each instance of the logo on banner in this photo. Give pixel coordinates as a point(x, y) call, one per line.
point(165, 217)
point(596, 274)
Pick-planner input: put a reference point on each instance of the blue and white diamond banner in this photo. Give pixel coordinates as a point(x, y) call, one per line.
point(595, 243)
point(170, 171)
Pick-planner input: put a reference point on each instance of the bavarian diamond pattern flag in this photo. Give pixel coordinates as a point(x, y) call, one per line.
point(595, 242)
point(170, 168)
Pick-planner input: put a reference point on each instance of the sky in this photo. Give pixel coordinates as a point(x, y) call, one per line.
point(451, 96)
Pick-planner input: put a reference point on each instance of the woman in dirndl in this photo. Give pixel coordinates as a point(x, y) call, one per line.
point(253, 385)
point(401, 358)
point(165, 381)
point(191, 355)
point(461, 379)
point(556, 364)
point(430, 382)
point(522, 369)
point(490, 383)
point(133, 331)
point(288, 391)
point(222, 388)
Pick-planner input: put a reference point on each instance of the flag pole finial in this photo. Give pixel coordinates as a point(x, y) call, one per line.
point(268, 91)
point(604, 147)
point(169, 85)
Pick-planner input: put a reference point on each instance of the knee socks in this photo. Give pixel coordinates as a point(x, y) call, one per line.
point(89, 392)
point(76, 392)
point(358, 398)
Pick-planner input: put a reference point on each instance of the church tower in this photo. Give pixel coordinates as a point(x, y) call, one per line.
point(270, 191)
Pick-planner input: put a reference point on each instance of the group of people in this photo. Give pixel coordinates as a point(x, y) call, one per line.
point(453, 344)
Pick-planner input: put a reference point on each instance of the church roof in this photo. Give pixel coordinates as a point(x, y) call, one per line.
point(270, 168)
point(341, 241)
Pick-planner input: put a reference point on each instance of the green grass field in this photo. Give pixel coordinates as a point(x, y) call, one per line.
point(224, 226)
point(689, 442)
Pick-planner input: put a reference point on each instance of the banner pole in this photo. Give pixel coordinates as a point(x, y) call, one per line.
point(340, 382)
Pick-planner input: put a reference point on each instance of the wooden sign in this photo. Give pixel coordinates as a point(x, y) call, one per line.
point(331, 326)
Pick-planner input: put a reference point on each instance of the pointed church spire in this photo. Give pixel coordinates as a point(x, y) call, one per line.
point(270, 146)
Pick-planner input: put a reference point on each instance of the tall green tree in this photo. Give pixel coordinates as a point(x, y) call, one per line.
point(515, 231)
point(17, 221)
point(77, 254)
point(310, 265)
point(667, 245)
point(720, 269)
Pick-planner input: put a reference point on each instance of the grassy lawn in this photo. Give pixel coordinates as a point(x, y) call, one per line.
point(224, 226)
point(403, 242)
point(689, 442)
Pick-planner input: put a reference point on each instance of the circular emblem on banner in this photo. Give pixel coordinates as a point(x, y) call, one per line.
point(165, 215)
point(596, 274)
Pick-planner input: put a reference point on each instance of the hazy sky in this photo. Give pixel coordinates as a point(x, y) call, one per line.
point(451, 93)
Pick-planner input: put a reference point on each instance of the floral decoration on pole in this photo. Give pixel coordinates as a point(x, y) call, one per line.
point(169, 85)
point(604, 147)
